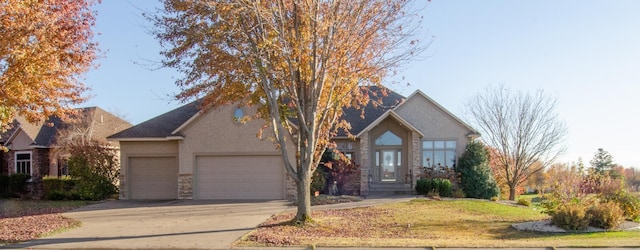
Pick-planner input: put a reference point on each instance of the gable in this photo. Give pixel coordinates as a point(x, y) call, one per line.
point(216, 131)
point(160, 127)
point(20, 141)
point(378, 105)
point(433, 120)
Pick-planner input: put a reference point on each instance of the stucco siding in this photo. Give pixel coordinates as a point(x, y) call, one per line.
point(21, 142)
point(216, 133)
point(433, 122)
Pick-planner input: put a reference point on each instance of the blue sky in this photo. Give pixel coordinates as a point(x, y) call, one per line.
point(585, 53)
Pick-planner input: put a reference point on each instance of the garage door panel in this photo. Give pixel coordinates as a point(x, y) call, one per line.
point(239, 177)
point(153, 177)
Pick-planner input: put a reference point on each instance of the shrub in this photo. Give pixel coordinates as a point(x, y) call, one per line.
point(438, 185)
point(524, 202)
point(4, 186)
point(629, 203)
point(318, 180)
point(571, 216)
point(59, 188)
point(95, 170)
point(443, 187)
point(423, 186)
point(14, 185)
point(476, 178)
point(606, 215)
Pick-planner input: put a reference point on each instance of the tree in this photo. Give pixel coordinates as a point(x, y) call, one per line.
point(301, 62)
point(45, 46)
point(477, 180)
point(524, 129)
point(602, 161)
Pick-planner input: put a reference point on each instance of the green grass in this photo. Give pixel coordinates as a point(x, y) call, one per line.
point(425, 223)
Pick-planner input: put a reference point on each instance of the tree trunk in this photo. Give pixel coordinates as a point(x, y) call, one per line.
point(303, 187)
point(512, 193)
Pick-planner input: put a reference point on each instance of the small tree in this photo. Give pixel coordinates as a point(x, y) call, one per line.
point(95, 168)
point(602, 161)
point(476, 178)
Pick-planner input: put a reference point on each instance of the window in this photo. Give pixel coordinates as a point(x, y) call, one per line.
point(238, 115)
point(439, 154)
point(388, 139)
point(23, 163)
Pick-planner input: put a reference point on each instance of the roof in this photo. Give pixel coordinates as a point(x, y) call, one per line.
point(380, 102)
point(161, 126)
point(43, 135)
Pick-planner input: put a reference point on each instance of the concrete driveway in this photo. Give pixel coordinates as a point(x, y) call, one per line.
point(160, 224)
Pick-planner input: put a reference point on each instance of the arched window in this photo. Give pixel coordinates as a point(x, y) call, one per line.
point(388, 139)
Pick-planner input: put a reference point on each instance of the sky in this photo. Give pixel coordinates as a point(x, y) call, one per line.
point(584, 53)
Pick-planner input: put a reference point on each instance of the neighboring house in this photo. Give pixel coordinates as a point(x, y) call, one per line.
point(31, 147)
point(189, 154)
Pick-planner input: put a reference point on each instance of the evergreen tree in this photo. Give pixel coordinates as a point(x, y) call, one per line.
point(476, 177)
point(602, 161)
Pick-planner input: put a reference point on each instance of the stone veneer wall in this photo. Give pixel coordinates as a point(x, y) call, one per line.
point(416, 161)
point(185, 186)
point(122, 180)
point(365, 167)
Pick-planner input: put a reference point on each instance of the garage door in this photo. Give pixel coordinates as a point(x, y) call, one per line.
point(239, 177)
point(153, 178)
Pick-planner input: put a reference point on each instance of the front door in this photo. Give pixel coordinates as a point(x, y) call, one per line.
point(390, 160)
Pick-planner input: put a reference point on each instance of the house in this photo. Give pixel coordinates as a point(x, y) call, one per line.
point(31, 147)
point(189, 154)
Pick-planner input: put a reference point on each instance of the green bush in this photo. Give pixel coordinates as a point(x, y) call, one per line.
point(476, 177)
point(4, 186)
point(438, 185)
point(423, 186)
point(524, 202)
point(606, 215)
point(628, 202)
point(13, 185)
point(571, 216)
point(319, 180)
point(59, 188)
point(94, 170)
point(443, 187)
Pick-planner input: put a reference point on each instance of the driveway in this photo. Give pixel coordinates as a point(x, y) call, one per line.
point(160, 224)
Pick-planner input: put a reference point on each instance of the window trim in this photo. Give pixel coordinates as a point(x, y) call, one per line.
point(235, 119)
point(15, 161)
point(445, 149)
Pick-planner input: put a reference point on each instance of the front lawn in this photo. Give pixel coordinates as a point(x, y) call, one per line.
point(425, 223)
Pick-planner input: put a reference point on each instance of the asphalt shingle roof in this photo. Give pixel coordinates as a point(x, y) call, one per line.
point(163, 125)
point(44, 135)
point(378, 105)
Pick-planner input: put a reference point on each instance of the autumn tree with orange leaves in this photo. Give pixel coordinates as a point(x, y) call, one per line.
point(45, 47)
point(301, 61)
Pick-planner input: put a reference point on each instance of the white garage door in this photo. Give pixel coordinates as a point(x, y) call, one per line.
point(153, 178)
point(239, 177)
